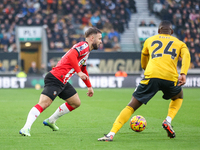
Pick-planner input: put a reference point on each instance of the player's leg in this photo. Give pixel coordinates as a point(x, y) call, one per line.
point(173, 109)
point(51, 89)
point(70, 104)
point(143, 93)
point(44, 102)
point(122, 118)
point(72, 99)
point(125, 114)
point(174, 106)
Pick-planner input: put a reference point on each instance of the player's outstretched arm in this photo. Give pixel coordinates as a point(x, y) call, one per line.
point(90, 92)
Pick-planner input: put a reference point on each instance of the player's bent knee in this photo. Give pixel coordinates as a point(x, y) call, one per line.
point(78, 103)
point(44, 101)
point(74, 101)
point(75, 104)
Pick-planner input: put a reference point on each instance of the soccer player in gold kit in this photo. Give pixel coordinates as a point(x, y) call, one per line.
point(159, 60)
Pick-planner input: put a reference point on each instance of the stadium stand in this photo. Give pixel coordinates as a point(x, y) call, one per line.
point(64, 20)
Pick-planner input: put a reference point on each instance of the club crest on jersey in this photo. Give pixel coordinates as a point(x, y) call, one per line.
point(55, 93)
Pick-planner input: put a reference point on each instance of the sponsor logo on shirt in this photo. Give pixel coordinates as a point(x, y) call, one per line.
point(82, 47)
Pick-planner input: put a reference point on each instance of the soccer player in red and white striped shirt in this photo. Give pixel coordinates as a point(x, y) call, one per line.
point(56, 82)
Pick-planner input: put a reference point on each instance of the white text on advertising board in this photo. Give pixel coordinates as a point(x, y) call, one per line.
point(12, 82)
point(103, 82)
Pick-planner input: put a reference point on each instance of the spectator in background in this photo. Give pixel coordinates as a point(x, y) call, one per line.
point(67, 44)
point(115, 44)
point(125, 18)
point(132, 6)
point(121, 72)
point(197, 46)
point(127, 10)
point(31, 9)
point(51, 45)
point(193, 15)
point(42, 70)
point(95, 18)
point(169, 15)
point(12, 48)
point(193, 58)
point(179, 29)
point(106, 42)
point(4, 41)
point(107, 25)
point(2, 69)
point(178, 15)
point(101, 48)
point(49, 14)
point(142, 24)
point(36, 5)
point(113, 33)
point(14, 69)
point(152, 24)
point(51, 64)
point(29, 22)
point(163, 12)
point(99, 25)
point(110, 4)
point(86, 27)
point(33, 69)
point(7, 25)
point(93, 69)
point(85, 19)
point(103, 16)
point(157, 7)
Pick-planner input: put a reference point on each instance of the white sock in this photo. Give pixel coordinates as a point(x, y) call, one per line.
point(58, 113)
point(32, 116)
point(111, 133)
point(169, 119)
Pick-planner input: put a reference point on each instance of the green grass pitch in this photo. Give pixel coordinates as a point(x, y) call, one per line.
point(80, 129)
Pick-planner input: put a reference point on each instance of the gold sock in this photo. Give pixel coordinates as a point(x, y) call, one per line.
point(122, 118)
point(174, 106)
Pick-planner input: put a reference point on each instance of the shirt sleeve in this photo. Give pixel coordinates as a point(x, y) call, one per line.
point(72, 57)
point(87, 82)
point(185, 55)
point(144, 56)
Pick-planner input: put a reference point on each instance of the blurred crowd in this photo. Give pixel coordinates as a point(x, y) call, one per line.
point(185, 16)
point(65, 21)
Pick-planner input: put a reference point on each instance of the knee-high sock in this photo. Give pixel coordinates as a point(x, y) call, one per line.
point(122, 118)
point(63, 109)
point(32, 116)
point(174, 106)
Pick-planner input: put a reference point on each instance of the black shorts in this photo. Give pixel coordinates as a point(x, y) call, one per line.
point(54, 87)
point(149, 87)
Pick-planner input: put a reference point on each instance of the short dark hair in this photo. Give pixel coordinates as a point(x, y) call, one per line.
point(92, 30)
point(165, 27)
point(165, 23)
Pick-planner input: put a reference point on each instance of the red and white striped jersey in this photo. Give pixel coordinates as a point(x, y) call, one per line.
point(71, 62)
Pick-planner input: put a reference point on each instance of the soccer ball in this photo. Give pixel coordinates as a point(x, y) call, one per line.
point(138, 123)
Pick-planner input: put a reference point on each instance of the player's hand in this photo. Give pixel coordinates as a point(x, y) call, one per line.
point(83, 76)
point(182, 79)
point(90, 92)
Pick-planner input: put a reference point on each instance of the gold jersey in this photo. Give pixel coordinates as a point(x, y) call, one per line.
point(160, 55)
